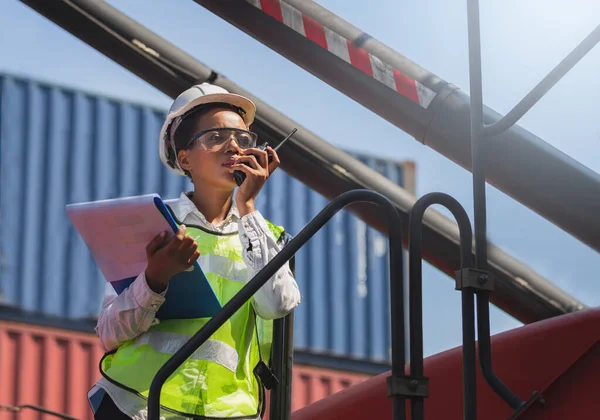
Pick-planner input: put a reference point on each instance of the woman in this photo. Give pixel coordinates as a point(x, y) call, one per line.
point(205, 137)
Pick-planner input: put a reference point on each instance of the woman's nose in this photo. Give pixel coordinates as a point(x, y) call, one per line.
point(232, 145)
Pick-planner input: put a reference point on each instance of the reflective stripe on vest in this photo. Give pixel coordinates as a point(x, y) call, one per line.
point(212, 351)
point(217, 381)
point(224, 267)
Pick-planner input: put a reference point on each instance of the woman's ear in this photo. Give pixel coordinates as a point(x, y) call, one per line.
point(183, 159)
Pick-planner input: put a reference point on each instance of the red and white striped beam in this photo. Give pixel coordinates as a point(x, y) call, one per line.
point(347, 51)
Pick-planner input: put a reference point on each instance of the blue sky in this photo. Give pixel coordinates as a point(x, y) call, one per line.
point(521, 40)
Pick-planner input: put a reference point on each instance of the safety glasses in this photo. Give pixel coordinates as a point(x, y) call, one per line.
point(215, 138)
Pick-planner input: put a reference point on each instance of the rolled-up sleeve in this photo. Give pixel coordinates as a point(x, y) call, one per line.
point(280, 295)
point(124, 317)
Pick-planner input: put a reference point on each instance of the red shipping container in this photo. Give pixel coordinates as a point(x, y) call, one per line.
point(54, 368)
point(47, 367)
point(310, 384)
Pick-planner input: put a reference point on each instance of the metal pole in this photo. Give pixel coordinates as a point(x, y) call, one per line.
point(288, 251)
point(398, 333)
point(287, 374)
point(416, 300)
point(365, 41)
point(479, 203)
point(280, 407)
point(469, 355)
point(478, 163)
point(485, 353)
point(545, 85)
point(277, 366)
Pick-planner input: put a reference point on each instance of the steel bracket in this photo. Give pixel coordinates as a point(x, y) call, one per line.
point(535, 397)
point(407, 386)
point(474, 279)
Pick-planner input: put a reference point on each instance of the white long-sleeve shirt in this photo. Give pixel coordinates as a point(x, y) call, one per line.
point(126, 316)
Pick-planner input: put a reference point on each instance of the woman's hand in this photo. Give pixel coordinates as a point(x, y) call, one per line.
point(255, 164)
point(168, 258)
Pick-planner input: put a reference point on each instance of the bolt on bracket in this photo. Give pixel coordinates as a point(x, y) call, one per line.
point(407, 386)
point(472, 278)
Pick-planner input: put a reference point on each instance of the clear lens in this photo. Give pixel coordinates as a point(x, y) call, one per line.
point(215, 138)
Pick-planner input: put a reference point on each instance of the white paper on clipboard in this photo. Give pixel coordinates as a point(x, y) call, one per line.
point(117, 232)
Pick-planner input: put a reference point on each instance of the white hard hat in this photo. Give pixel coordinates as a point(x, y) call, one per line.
point(187, 101)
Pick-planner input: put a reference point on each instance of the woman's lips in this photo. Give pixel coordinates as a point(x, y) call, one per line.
point(229, 162)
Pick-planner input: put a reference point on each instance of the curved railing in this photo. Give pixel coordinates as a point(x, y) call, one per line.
point(416, 298)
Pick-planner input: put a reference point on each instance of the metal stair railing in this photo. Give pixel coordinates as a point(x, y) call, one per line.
point(480, 131)
point(280, 407)
point(462, 283)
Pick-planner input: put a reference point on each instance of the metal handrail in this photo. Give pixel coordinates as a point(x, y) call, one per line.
point(280, 407)
point(479, 203)
point(544, 85)
point(416, 299)
point(480, 131)
point(288, 251)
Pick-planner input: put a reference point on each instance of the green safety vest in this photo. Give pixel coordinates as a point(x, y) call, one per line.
point(217, 381)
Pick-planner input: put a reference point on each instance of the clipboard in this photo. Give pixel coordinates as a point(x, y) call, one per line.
point(116, 231)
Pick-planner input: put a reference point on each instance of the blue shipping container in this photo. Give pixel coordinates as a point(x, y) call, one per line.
point(61, 146)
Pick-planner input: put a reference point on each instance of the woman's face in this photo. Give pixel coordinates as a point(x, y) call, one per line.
point(208, 160)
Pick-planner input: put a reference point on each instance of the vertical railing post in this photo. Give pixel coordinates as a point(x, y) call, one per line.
point(416, 299)
point(480, 131)
point(287, 372)
point(479, 205)
point(280, 407)
point(398, 382)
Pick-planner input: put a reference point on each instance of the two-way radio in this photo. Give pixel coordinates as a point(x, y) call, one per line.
point(241, 176)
